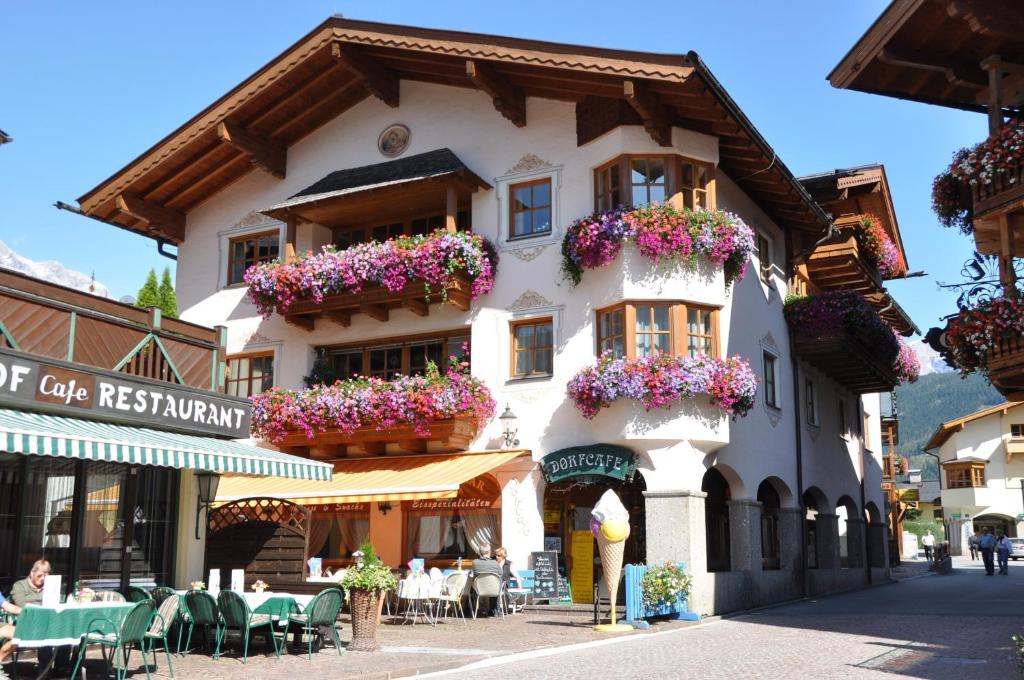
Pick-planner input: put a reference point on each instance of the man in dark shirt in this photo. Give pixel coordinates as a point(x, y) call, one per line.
point(485, 564)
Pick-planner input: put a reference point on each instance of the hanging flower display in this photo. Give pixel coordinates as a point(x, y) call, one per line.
point(433, 259)
point(847, 314)
point(348, 405)
point(879, 249)
point(995, 164)
point(661, 234)
point(661, 380)
point(973, 333)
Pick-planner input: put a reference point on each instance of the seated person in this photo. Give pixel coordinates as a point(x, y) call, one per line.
point(485, 564)
point(29, 591)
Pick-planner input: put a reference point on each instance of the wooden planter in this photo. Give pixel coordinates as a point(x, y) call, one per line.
point(364, 605)
point(377, 302)
point(1005, 366)
point(450, 434)
point(1002, 182)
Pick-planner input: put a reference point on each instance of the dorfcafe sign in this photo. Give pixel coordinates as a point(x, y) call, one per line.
point(596, 460)
point(33, 383)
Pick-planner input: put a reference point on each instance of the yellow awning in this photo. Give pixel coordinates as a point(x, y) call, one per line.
point(384, 478)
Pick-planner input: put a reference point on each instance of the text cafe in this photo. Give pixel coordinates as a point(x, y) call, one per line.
point(112, 427)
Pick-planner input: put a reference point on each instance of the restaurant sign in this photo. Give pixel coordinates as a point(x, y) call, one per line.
point(595, 460)
point(32, 383)
point(329, 508)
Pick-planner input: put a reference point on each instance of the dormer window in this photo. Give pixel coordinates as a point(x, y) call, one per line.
point(636, 181)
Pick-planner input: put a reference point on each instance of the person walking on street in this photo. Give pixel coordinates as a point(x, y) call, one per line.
point(972, 541)
point(929, 544)
point(987, 544)
point(1003, 550)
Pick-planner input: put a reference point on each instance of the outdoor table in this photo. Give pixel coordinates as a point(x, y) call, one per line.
point(64, 624)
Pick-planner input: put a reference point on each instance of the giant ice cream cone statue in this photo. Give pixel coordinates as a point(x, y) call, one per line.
point(610, 525)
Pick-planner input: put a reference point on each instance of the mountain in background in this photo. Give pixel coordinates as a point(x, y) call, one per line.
point(51, 271)
point(933, 399)
point(930, 360)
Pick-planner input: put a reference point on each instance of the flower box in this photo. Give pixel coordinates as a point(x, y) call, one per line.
point(637, 610)
point(440, 436)
point(990, 338)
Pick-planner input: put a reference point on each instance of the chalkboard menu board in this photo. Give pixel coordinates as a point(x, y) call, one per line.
point(545, 575)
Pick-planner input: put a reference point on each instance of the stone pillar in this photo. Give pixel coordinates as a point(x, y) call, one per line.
point(826, 528)
point(791, 536)
point(855, 542)
point(675, 528)
point(876, 535)
point(745, 535)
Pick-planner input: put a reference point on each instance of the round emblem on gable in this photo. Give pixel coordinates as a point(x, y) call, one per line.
point(394, 140)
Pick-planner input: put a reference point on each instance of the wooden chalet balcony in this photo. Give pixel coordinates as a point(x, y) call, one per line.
point(377, 302)
point(1006, 366)
point(445, 436)
point(845, 359)
point(999, 208)
point(888, 467)
point(841, 266)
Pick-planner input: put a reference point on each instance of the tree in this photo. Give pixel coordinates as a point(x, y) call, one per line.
point(149, 294)
point(168, 300)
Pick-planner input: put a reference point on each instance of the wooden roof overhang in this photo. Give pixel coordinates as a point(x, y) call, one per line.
point(933, 51)
point(341, 62)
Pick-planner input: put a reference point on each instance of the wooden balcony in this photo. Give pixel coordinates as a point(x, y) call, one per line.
point(888, 468)
point(1006, 367)
point(999, 206)
point(377, 302)
point(849, 362)
point(445, 436)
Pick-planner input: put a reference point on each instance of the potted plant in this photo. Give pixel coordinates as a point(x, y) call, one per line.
point(664, 586)
point(259, 586)
point(365, 583)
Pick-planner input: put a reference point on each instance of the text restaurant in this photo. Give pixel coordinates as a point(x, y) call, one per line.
point(114, 432)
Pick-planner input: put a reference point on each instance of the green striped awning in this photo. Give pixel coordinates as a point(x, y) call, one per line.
point(47, 435)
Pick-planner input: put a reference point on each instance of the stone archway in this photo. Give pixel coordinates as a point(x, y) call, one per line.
point(850, 529)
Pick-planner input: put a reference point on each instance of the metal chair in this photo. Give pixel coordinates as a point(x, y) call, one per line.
point(109, 596)
point(202, 611)
point(137, 594)
point(158, 631)
point(451, 594)
point(237, 615)
point(322, 611)
point(487, 585)
point(131, 632)
point(161, 593)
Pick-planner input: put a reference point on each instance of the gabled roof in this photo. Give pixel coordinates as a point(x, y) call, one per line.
point(342, 62)
point(931, 51)
point(950, 427)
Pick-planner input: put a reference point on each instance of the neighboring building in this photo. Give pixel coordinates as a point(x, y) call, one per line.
point(982, 460)
point(365, 131)
point(113, 423)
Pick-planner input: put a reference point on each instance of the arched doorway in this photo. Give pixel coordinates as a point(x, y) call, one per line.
point(996, 523)
point(576, 478)
point(849, 533)
point(771, 502)
point(814, 503)
point(716, 520)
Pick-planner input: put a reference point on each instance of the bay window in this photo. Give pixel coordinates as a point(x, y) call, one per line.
point(637, 180)
point(642, 329)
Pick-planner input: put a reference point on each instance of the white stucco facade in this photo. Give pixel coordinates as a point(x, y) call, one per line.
point(674, 447)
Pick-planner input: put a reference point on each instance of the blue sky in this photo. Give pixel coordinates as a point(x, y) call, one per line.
point(87, 86)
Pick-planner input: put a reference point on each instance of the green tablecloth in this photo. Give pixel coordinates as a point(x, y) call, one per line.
point(65, 624)
point(279, 606)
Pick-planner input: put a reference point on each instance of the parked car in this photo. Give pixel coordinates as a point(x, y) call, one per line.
point(1018, 548)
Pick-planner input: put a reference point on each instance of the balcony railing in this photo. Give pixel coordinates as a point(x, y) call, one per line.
point(1006, 364)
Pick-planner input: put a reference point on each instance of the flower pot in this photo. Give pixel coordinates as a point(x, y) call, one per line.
point(364, 605)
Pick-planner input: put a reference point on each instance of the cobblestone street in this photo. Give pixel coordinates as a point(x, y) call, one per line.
point(933, 627)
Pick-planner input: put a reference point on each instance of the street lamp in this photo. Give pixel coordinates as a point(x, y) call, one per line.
point(508, 427)
point(207, 483)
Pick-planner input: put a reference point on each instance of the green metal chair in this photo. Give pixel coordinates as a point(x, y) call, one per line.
point(137, 594)
point(131, 632)
point(321, 611)
point(161, 593)
point(165, 617)
point(238, 616)
point(202, 611)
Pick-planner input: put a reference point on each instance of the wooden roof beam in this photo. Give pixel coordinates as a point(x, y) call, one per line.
point(160, 221)
point(956, 72)
point(652, 111)
point(381, 82)
point(508, 99)
point(262, 152)
point(999, 19)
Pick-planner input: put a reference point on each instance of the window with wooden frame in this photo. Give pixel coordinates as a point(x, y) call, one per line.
point(640, 329)
point(533, 348)
point(417, 225)
point(637, 180)
point(249, 374)
point(1017, 430)
point(530, 208)
point(811, 400)
point(966, 475)
point(764, 257)
point(769, 365)
point(251, 249)
point(390, 358)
